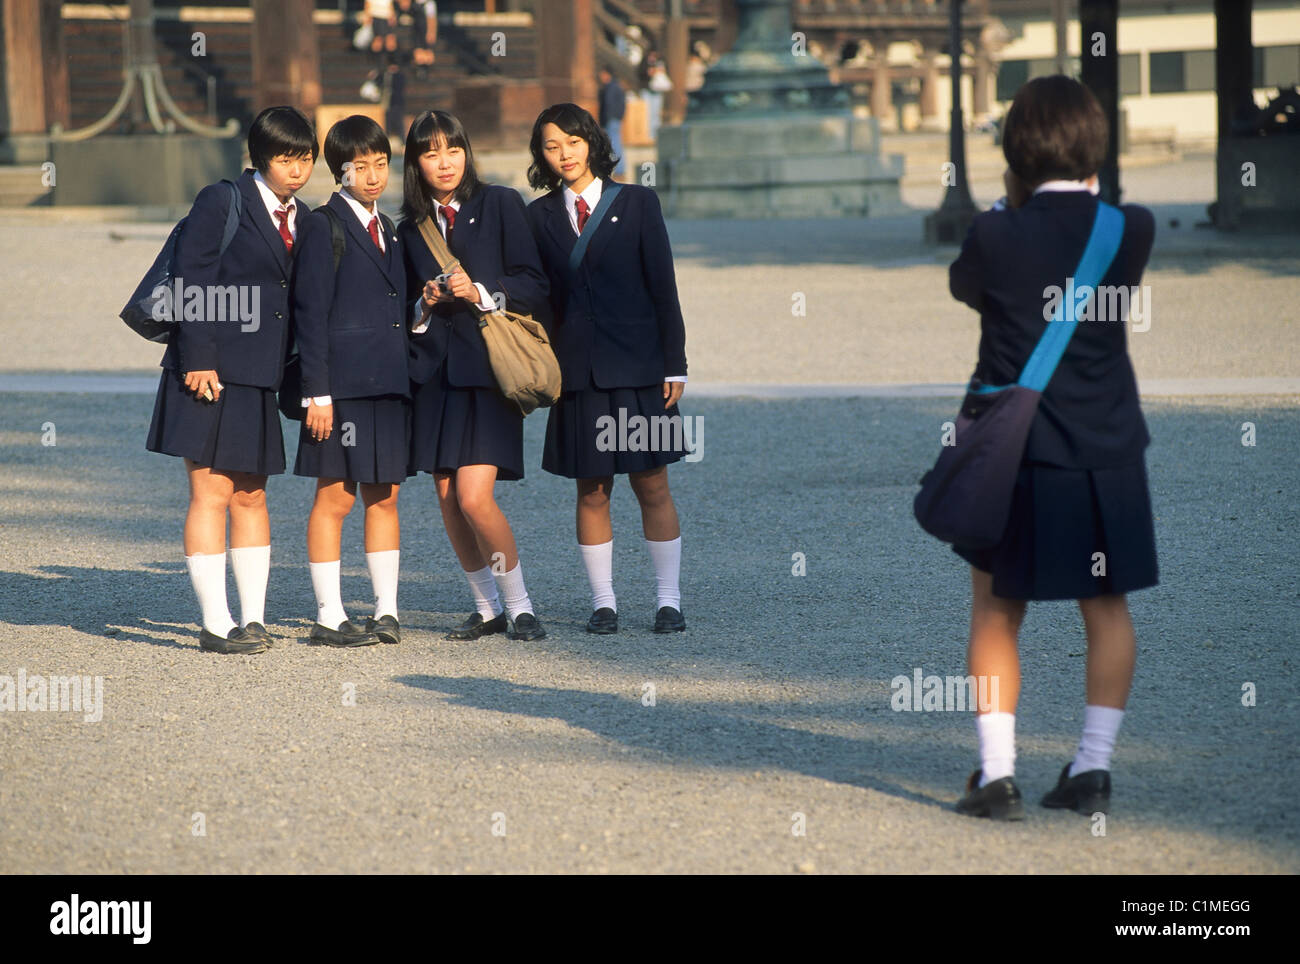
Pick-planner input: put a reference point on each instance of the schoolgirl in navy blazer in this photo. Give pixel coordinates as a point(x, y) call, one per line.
point(216, 405)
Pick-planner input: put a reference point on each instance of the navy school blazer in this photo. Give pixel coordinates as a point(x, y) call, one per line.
point(351, 330)
point(256, 257)
point(619, 323)
point(496, 248)
point(1089, 416)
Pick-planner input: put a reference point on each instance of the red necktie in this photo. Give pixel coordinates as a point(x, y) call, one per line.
point(282, 216)
point(374, 232)
point(449, 215)
point(583, 214)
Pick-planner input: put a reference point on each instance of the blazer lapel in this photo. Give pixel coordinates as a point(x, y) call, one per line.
point(557, 223)
point(467, 224)
point(360, 237)
point(605, 231)
point(255, 208)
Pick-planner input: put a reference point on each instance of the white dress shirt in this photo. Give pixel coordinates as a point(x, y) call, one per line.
point(273, 205)
point(591, 194)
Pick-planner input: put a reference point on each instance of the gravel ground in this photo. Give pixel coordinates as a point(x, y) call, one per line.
point(772, 710)
point(776, 702)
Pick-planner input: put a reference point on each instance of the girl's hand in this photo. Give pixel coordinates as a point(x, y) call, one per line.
point(320, 421)
point(1017, 190)
point(461, 286)
point(203, 384)
point(673, 393)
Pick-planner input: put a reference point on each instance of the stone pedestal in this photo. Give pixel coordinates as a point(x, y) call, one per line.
point(161, 169)
point(794, 165)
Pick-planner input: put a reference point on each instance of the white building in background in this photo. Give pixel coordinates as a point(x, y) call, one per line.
point(1166, 62)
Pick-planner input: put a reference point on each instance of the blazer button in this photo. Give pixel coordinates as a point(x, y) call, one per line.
point(392, 294)
point(278, 315)
point(397, 324)
point(448, 324)
point(283, 283)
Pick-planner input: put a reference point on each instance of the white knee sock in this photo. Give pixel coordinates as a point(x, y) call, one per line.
point(383, 568)
point(1100, 727)
point(486, 598)
point(329, 597)
point(208, 574)
point(599, 561)
point(252, 565)
point(513, 592)
point(667, 558)
point(997, 733)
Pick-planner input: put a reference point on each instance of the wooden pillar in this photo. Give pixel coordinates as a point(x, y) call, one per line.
point(980, 84)
point(882, 94)
point(566, 45)
point(677, 58)
point(929, 86)
point(728, 25)
point(22, 108)
point(1101, 76)
point(58, 99)
point(286, 56)
point(1234, 68)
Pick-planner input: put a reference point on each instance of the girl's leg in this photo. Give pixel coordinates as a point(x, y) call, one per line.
point(383, 545)
point(250, 545)
point(662, 532)
point(205, 544)
point(596, 540)
point(992, 658)
point(465, 543)
point(1112, 656)
point(474, 495)
point(334, 500)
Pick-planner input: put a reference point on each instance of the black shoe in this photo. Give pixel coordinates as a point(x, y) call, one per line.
point(997, 799)
point(603, 622)
point(236, 641)
point(526, 627)
point(346, 635)
point(477, 626)
point(1086, 793)
point(258, 631)
point(669, 620)
point(386, 628)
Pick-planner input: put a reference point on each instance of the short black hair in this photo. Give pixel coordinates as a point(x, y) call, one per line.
point(281, 130)
point(354, 136)
point(1054, 129)
point(429, 128)
point(573, 120)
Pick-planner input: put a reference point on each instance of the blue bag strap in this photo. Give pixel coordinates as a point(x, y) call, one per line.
point(580, 248)
point(232, 217)
point(1098, 253)
point(1103, 243)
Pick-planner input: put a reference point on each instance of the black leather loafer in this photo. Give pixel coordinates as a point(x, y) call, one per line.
point(1086, 793)
point(526, 627)
point(603, 622)
point(669, 620)
point(997, 799)
point(346, 635)
point(237, 641)
point(477, 626)
point(258, 631)
point(386, 628)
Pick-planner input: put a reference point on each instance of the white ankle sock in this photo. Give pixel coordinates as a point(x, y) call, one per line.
point(599, 561)
point(486, 598)
point(329, 597)
point(667, 558)
point(208, 575)
point(383, 568)
point(252, 565)
point(1100, 727)
point(997, 733)
point(513, 592)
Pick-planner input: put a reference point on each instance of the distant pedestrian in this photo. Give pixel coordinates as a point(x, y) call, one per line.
point(613, 104)
point(1081, 524)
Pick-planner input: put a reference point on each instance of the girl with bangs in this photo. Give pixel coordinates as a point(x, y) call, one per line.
point(616, 325)
point(464, 431)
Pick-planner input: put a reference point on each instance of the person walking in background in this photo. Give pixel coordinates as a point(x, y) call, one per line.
point(613, 104)
point(465, 432)
point(1080, 525)
point(617, 329)
point(216, 402)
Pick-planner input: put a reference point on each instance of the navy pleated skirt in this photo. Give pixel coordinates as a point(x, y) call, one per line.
point(451, 427)
point(240, 432)
point(370, 442)
point(1074, 534)
point(595, 432)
